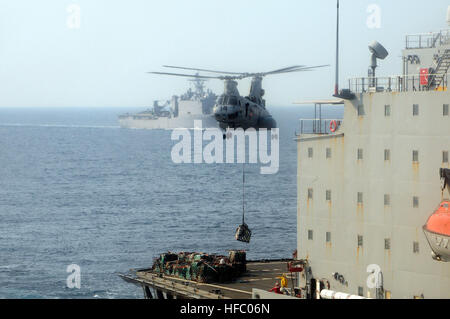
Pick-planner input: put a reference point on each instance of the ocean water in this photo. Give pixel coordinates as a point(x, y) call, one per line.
point(77, 189)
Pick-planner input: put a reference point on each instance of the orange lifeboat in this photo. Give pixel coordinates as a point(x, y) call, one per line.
point(437, 231)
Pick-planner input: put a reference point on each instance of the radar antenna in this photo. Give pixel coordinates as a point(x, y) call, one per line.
point(378, 52)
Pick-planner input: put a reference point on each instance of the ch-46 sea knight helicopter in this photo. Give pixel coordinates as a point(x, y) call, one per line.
point(235, 111)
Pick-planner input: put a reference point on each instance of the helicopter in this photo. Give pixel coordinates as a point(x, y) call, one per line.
point(233, 110)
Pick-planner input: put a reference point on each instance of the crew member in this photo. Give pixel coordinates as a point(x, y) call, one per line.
point(276, 289)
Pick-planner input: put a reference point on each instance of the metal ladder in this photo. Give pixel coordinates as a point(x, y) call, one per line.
point(443, 65)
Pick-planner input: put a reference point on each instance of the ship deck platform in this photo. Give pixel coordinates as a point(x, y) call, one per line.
point(260, 275)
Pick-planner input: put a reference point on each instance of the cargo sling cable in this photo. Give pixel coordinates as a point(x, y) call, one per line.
point(243, 233)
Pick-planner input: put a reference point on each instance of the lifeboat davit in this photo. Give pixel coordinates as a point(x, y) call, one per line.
point(437, 231)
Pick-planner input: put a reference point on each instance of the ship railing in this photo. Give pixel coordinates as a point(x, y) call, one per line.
point(318, 126)
point(427, 40)
point(401, 83)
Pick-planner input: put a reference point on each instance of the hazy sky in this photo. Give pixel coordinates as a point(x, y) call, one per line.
point(44, 62)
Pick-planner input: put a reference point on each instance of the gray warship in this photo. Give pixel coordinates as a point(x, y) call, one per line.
point(180, 112)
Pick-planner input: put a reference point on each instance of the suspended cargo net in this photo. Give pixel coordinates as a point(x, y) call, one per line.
point(243, 233)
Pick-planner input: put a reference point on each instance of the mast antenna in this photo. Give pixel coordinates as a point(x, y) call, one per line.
point(345, 93)
point(336, 87)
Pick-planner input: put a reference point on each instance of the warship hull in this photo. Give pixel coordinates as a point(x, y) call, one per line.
point(190, 111)
point(165, 123)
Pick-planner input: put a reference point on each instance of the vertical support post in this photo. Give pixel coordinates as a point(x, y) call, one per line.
point(315, 119)
point(320, 118)
point(336, 87)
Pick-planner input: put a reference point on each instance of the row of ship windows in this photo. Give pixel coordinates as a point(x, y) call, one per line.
point(360, 241)
point(387, 198)
point(387, 155)
point(415, 110)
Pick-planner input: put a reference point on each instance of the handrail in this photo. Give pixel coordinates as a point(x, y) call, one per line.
point(317, 126)
point(427, 40)
point(400, 83)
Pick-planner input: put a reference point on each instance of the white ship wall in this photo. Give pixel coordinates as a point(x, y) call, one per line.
point(407, 274)
point(426, 58)
point(189, 108)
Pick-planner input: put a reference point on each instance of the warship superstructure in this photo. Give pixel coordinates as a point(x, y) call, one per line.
point(180, 112)
point(369, 183)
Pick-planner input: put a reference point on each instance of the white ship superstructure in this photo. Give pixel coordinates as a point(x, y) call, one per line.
point(367, 186)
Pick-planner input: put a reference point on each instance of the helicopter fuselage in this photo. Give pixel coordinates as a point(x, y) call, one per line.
point(235, 111)
point(242, 112)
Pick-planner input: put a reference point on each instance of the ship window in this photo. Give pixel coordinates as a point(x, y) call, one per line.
point(360, 153)
point(415, 156)
point(387, 155)
point(360, 198)
point(328, 195)
point(416, 247)
point(328, 152)
point(445, 112)
point(310, 193)
point(387, 244)
point(415, 109)
point(360, 241)
point(445, 157)
point(387, 200)
point(415, 202)
point(387, 110)
point(328, 237)
point(310, 234)
point(361, 291)
point(310, 152)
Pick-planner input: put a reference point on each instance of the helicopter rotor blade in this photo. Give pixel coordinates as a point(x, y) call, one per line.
point(186, 75)
point(302, 69)
point(297, 68)
point(237, 76)
point(309, 68)
point(285, 69)
point(203, 70)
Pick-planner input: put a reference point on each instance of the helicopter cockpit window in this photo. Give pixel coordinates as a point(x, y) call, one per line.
point(221, 100)
point(232, 100)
